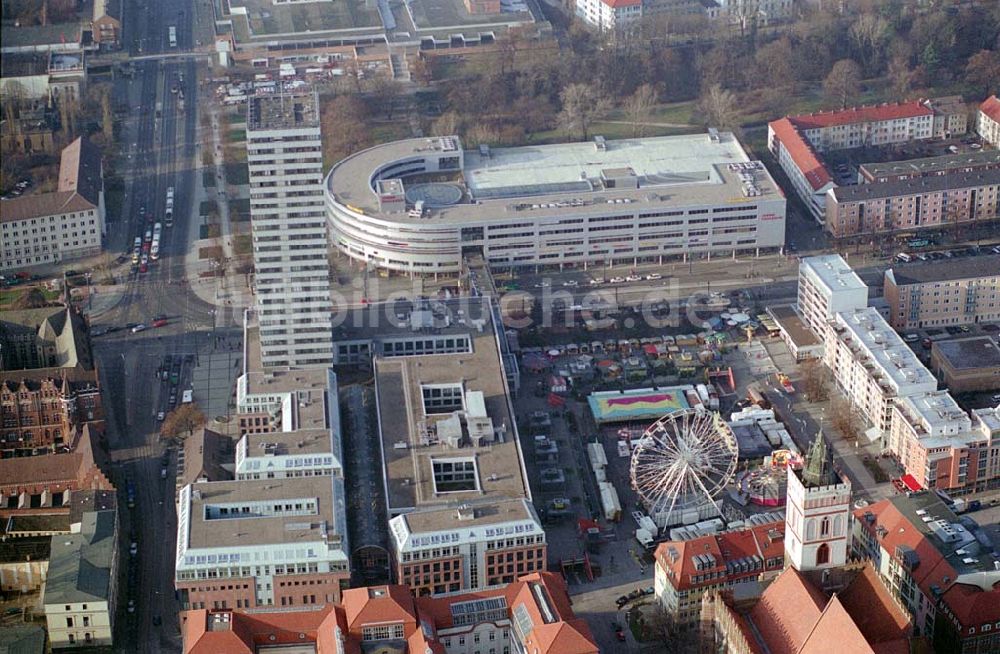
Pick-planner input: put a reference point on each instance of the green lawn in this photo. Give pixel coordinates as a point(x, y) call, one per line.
point(236, 136)
point(207, 206)
point(239, 210)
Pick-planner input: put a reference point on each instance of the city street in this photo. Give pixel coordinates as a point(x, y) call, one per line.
point(160, 150)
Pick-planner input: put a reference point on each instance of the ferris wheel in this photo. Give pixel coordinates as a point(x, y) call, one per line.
point(682, 462)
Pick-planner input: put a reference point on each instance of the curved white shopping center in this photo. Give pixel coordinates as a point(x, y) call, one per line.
point(420, 205)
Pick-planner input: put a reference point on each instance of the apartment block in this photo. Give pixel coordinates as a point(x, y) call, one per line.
point(287, 217)
point(797, 142)
point(873, 366)
point(988, 121)
point(938, 293)
point(532, 615)
point(937, 442)
point(947, 200)
point(895, 171)
point(936, 568)
point(827, 286)
point(686, 570)
point(65, 224)
point(609, 15)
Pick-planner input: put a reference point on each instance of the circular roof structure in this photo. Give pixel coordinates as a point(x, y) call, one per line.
point(434, 194)
point(683, 461)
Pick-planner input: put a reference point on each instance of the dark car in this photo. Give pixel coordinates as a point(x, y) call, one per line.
point(620, 635)
point(130, 325)
point(990, 328)
point(954, 331)
point(114, 328)
point(157, 621)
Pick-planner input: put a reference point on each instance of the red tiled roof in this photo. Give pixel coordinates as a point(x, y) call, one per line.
point(972, 606)
point(801, 152)
point(395, 605)
point(727, 546)
point(835, 626)
point(616, 4)
point(934, 569)
point(245, 631)
point(991, 107)
point(865, 114)
point(785, 630)
point(871, 608)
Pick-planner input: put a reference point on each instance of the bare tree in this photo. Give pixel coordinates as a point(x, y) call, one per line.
point(344, 130)
point(447, 124)
point(720, 107)
point(383, 92)
point(843, 84)
point(869, 33)
point(814, 380)
point(983, 70)
point(900, 76)
point(582, 105)
point(638, 108)
point(845, 420)
point(774, 63)
point(182, 421)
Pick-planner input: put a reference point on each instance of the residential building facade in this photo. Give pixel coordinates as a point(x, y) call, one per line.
point(827, 286)
point(797, 142)
point(937, 443)
point(895, 171)
point(292, 274)
point(939, 293)
point(948, 200)
point(42, 228)
point(988, 121)
point(609, 15)
point(872, 365)
point(81, 589)
point(934, 567)
point(686, 570)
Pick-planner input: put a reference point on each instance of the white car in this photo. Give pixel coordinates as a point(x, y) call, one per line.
point(131, 606)
point(571, 283)
point(133, 548)
point(160, 416)
point(653, 276)
point(911, 338)
point(633, 278)
point(617, 280)
point(596, 282)
point(139, 328)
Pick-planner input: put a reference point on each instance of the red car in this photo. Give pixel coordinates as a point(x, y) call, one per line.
point(160, 323)
point(143, 268)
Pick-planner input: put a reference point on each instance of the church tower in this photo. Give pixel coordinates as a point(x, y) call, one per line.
point(817, 512)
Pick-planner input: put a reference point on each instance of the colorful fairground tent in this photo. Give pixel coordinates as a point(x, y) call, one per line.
point(636, 404)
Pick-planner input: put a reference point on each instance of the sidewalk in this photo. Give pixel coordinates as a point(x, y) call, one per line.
point(229, 293)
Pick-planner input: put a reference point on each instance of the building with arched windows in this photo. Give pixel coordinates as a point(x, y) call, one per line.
point(818, 512)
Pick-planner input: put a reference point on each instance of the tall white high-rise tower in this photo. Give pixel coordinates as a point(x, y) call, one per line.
point(288, 220)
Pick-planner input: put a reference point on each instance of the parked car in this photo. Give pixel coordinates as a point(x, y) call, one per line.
point(133, 548)
point(617, 280)
point(161, 322)
point(160, 416)
point(911, 338)
point(653, 276)
point(139, 328)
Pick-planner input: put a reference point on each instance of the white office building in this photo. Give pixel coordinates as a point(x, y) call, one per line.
point(422, 205)
point(284, 153)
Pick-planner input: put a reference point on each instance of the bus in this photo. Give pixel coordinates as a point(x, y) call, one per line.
point(172, 35)
point(918, 243)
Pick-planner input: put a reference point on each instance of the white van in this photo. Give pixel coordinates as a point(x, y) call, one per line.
point(904, 257)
